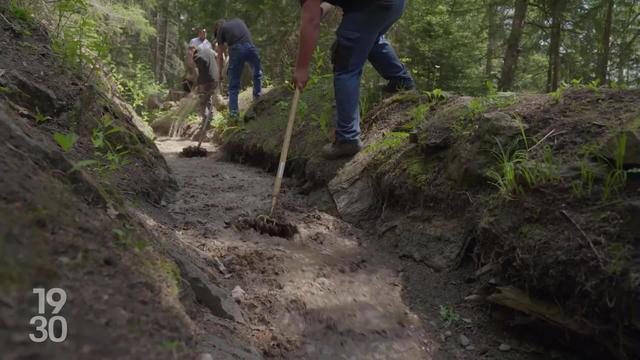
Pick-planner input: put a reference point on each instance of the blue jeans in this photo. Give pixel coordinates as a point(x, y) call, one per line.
point(360, 37)
point(240, 54)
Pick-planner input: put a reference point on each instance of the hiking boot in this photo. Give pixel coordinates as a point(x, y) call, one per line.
point(339, 150)
point(395, 86)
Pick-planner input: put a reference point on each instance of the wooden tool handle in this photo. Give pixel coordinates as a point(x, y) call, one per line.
point(285, 150)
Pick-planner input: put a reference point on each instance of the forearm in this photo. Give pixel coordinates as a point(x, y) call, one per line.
point(309, 33)
point(220, 60)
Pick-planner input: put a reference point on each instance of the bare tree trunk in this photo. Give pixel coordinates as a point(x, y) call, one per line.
point(603, 63)
point(512, 53)
point(553, 74)
point(156, 60)
point(491, 37)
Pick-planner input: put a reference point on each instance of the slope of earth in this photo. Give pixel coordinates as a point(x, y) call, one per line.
point(78, 175)
point(540, 191)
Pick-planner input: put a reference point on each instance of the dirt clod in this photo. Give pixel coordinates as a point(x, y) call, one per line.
point(193, 151)
point(265, 225)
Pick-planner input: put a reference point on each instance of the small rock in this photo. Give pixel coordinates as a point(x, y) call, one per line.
point(473, 298)
point(504, 347)
point(464, 341)
point(205, 357)
point(470, 348)
point(448, 334)
point(238, 294)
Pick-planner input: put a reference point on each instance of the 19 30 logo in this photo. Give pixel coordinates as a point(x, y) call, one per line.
point(53, 328)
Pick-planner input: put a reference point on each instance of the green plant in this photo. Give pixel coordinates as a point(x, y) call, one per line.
point(616, 179)
point(324, 119)
point(584, 186)
point(83, 164)
point(505, 175)
point(21, 13)
point(448, 315)
point(126, 237)
point(65, 141)
point(594, 85)
point(40, 117)
point(435, 95)
point(115, 156)
point(492, 89)
point(557, 94)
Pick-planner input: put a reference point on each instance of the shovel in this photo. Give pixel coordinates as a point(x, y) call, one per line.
point(198, 151)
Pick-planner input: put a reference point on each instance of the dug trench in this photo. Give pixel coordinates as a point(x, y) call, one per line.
point(502, 210)
point(406, 251)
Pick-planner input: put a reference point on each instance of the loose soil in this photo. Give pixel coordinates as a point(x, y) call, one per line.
point(330, 292)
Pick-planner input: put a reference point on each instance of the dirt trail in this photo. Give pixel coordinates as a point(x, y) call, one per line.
point(321, 295)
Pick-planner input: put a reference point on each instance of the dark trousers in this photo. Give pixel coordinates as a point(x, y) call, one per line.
point(360, 37)
point(240, 54)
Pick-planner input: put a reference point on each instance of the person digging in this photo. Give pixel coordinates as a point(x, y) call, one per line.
point(360, 37)
point(204, 60)
point(234, 35)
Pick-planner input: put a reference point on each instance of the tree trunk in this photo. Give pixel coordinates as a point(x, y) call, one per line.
point(513, 46)
point(603, 63)
point(491, 37)
point(553, 74)
point(156, 60)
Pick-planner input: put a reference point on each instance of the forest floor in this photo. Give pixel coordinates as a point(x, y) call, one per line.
point(330, 292)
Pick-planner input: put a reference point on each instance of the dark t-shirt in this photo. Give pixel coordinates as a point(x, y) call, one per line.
point(353, 5)
point(233, 32)
point(205, 60)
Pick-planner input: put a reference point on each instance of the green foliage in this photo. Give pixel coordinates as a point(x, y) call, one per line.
point(324, 120)
point(584, 186)
point(83, 164)
point(435, 95)
point(114, 156)
point(65, 141)
point(138, 86)
point(505, 175)
point(448, 315)
point(616, 179)
point(40, 117)
point(127, 238)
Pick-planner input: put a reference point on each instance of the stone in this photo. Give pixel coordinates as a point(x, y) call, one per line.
point(504, 347)
point(632, 148)
point(353, 192)
point(205, 357)
point(436, 242)
point(464, 341)
point(238, 294)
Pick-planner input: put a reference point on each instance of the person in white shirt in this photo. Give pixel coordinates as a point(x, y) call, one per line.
point(201, 41)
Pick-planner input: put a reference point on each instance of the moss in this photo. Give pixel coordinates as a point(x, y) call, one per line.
point(388, 143)
point(419, 170)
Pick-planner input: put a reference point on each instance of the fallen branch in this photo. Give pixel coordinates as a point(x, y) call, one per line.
point(8, 22)
point(550, 134)
point(584, 234)
point(519, 300)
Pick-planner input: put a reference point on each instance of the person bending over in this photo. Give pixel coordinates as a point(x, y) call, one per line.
point(234, 35)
